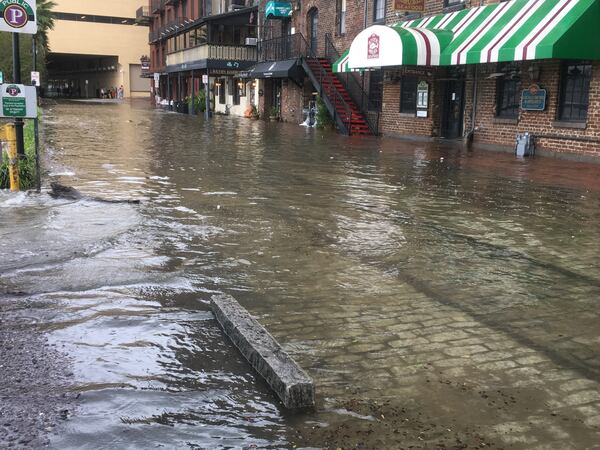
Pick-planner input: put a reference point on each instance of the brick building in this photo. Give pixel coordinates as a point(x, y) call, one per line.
point(488, 72)
point(196, 40)
point(439, 69)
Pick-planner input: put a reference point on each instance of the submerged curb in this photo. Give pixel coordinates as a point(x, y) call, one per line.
point(292, 385)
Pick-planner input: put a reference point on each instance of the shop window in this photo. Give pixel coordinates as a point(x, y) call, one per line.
point(379, 11)
point(341, 17)
point(408, 95)
point(574, 91)
point(508, 91)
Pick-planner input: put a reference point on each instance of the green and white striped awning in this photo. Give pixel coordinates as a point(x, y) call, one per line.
point(510, 31)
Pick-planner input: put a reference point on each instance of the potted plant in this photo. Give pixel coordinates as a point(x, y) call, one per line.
point(254, 114)
point(274, 113)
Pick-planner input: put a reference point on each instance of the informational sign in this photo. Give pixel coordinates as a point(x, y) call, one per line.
point(204, 79)
point(35, 79)
point(409, 5)
point(18, 100)
point(18, 16)
point(156, 80)
point(278, 10)
point(533, 98)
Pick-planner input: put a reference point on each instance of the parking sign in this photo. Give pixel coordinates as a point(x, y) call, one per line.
point(18, 16)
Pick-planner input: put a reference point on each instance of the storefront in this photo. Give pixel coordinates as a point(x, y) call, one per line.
point(490, 72)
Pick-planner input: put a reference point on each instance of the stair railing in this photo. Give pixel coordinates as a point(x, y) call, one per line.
point(323, 80)
point(354, 85)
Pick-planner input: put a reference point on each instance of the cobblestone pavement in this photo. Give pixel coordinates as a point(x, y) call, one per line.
point(482, 318)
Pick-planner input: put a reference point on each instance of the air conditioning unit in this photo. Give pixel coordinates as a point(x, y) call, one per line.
point(251, 41)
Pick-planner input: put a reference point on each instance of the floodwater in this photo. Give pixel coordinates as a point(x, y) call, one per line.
point(439, 298)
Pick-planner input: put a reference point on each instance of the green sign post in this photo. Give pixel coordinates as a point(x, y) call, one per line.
point(18, 101)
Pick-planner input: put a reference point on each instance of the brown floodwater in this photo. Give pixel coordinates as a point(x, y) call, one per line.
point(438, 297)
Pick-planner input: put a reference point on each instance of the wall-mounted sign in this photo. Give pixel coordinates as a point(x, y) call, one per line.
point(409, 5)
point(18, 16)
point(533, 98)
point(204, 79)
point(278, 10)
point(18, 100)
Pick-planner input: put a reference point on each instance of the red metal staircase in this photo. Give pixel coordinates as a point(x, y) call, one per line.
point(341, 106)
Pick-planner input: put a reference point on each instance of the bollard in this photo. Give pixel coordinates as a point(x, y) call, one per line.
point(8, 135)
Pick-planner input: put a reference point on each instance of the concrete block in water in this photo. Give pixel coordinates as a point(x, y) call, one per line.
point(292, 385)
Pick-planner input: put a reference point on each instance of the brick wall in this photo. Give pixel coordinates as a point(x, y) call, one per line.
point(491, 130)
point(393, 122)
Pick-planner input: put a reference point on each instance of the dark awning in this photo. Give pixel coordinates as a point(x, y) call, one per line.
point(275, 69)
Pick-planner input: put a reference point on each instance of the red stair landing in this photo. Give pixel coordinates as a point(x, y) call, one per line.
point(331, 84)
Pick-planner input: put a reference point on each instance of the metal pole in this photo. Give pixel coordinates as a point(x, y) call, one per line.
point(17, 80)
point(36, 127)
point(193, 102)
point(207, 96)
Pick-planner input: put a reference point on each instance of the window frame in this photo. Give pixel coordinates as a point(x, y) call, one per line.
point(404, 90)
point(379, 5)
point(508, 111)
point(562, 93)
point(341, 15)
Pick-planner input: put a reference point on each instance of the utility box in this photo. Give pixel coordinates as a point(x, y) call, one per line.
point(525, 145)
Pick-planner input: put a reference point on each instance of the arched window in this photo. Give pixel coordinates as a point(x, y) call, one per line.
point(313, 29)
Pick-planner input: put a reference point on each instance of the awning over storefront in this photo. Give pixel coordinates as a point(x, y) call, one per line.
point(278, 10)
point(510, 31)
point(275, 69)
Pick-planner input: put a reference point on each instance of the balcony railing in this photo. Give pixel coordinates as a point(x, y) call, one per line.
point(212, 51)
point(282, 48)
point(142, 15)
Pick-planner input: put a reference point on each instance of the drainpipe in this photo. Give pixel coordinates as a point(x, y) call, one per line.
point(469, 136)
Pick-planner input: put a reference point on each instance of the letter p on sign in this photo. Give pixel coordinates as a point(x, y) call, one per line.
point(18, 16)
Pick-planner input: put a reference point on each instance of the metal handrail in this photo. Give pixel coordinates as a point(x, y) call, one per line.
point(370, 109)
point(325, 81)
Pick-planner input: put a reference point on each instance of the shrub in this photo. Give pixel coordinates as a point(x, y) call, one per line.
point(324, 119)
point(27, 166)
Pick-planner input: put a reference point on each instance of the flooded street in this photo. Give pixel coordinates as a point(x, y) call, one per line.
point(439, 299)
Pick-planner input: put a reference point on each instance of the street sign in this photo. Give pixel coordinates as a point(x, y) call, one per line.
point(18, 100)
point(204, 79)
point(156, 80)
point(35, 79)
point(18, 16)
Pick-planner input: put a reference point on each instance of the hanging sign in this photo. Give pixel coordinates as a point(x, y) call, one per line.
point(409, 5)
point(18, 16)
point(18, 100)
point(278, 10)
point(533, 98)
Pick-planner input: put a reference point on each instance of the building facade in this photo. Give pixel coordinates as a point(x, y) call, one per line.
point(96, 46)
point(201, 46)
point(481, 71)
